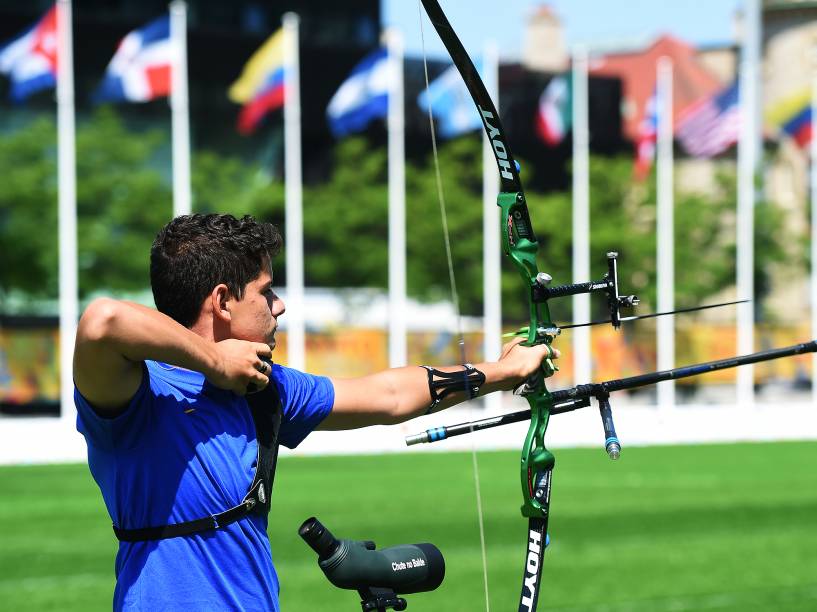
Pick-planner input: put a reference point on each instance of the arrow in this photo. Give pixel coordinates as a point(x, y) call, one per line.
point(524, 330)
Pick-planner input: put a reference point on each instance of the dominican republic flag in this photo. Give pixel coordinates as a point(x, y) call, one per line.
point(363, 96)
point(140, 70)
point(451, 104)
point(555, 114)
point(260, 88)
point(647, 136)
point(30, 60)
point(711, 126)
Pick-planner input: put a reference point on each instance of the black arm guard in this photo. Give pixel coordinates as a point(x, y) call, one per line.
point(442, 384)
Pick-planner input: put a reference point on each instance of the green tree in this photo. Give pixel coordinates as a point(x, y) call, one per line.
point(124, 197)
point(346, 220)
point(122, 200)
point(28, 211)
point(461, 178)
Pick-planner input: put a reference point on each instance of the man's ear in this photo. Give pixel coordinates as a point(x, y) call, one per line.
point(221, 302)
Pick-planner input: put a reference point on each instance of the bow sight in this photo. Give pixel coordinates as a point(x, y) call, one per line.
point(608, 284)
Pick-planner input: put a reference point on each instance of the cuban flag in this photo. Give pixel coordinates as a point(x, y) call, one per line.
point(363, 96)
point(260, 88)
point(30, 60)
point(451, 104)
point(140, 70)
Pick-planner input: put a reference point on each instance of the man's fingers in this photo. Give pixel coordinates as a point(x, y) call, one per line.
point(263, 350)
point(257, 383)
point(506, 348)
point(261, 380)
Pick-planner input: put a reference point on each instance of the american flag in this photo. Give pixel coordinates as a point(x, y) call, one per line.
point(712, 125)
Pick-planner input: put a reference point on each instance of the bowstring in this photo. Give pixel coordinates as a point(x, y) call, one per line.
point(458, 316)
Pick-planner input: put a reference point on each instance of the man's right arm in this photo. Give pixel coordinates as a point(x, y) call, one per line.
point(114, 338)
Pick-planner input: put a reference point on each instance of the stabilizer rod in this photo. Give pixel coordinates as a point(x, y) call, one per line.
point(651, 378)
point(566, 400)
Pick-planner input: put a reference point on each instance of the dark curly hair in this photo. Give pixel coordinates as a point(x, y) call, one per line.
point(194, 253)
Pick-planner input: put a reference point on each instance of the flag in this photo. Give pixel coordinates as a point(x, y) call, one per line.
point(555, 115)
point(363, 96)
point(140, 69)
point(798, 126)
point(792, 115)
point(451, 104)
point(712, 125)
point(647, 136)
point(260, 88)
point(30, 60)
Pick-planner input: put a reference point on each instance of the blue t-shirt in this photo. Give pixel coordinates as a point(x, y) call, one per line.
point(182, 450)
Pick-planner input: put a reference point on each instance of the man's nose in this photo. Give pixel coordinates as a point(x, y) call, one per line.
point(278, 307)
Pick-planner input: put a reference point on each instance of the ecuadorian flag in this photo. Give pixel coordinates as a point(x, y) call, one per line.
point(792, 115)
point(260, 88)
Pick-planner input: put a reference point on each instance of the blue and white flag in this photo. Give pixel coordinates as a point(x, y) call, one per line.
point(363, 96)
point(140, 70)
point(451, 104)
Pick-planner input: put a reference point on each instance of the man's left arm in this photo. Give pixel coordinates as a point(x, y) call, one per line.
point(399, 394)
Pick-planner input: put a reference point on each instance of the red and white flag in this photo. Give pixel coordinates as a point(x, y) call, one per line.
point(647, 137)
point(554, 118)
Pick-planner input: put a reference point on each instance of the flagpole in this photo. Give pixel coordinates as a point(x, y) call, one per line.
point(180, 110)
point(395, 124)
point(296, 325)
point(747, 165)
point(67, 205)
point(491, 263)
point(665, 265)
point(582, 349)
point(813, 177)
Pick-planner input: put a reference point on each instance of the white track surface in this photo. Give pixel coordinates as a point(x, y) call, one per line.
point(791, 417)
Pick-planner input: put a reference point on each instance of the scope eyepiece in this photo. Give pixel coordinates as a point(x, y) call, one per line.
point(319, 538)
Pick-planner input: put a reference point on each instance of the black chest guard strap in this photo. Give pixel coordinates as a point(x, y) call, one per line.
point(266, 412)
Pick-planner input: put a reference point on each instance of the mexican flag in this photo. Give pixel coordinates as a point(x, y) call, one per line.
point(555, 110)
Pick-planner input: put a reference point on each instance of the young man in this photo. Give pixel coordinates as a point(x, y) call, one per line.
point(173, 443)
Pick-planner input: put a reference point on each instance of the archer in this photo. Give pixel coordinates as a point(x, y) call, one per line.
point(184, 456)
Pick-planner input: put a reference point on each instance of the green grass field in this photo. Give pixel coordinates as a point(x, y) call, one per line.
point(729, 527)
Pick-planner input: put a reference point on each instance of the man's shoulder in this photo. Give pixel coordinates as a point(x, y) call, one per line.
point(164, 374)
point(290, 377)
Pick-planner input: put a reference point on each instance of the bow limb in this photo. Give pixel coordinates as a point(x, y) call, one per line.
point(520, 244)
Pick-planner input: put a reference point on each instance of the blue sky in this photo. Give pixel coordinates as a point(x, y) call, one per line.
point(585, 21)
